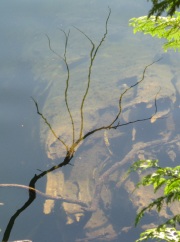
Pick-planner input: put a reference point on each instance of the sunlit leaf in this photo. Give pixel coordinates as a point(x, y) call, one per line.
point(167, 28)
point(159, 183)
point(167, 234)
point(167, 178)
point(173, 186)
point(142, 165)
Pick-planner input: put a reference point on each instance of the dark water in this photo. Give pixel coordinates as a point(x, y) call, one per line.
point(28, 68)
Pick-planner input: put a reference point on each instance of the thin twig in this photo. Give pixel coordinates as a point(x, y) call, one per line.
point(48, 124)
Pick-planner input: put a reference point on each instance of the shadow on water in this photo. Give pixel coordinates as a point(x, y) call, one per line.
point(112, 213)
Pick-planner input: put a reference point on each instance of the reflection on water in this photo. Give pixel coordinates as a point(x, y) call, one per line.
point(88, 84)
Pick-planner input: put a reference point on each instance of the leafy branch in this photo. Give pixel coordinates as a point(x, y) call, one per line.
point(168, 179)
point(167, 234)
point(167, 28)
point(159, 6)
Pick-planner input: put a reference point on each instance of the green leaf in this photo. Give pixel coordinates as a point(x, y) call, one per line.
point(143, 165)
point(167, 178)
point(167, 234)
point(173, 186)
point(157, 203)
point(167, 28)
point(159, 183)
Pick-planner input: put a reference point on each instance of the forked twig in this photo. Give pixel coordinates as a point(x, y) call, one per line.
point(93, 54)
point(48, 124)
point(68, 76)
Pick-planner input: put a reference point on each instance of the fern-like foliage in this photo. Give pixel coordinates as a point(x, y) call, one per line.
point(167, 28)
point(165, 234)
point(168, 179)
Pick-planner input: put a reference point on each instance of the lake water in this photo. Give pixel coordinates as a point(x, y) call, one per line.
point(33, 64)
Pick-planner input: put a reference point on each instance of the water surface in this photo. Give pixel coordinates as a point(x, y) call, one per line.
point(30, 69)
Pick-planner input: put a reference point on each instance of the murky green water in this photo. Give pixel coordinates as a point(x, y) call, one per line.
point(29, 68)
